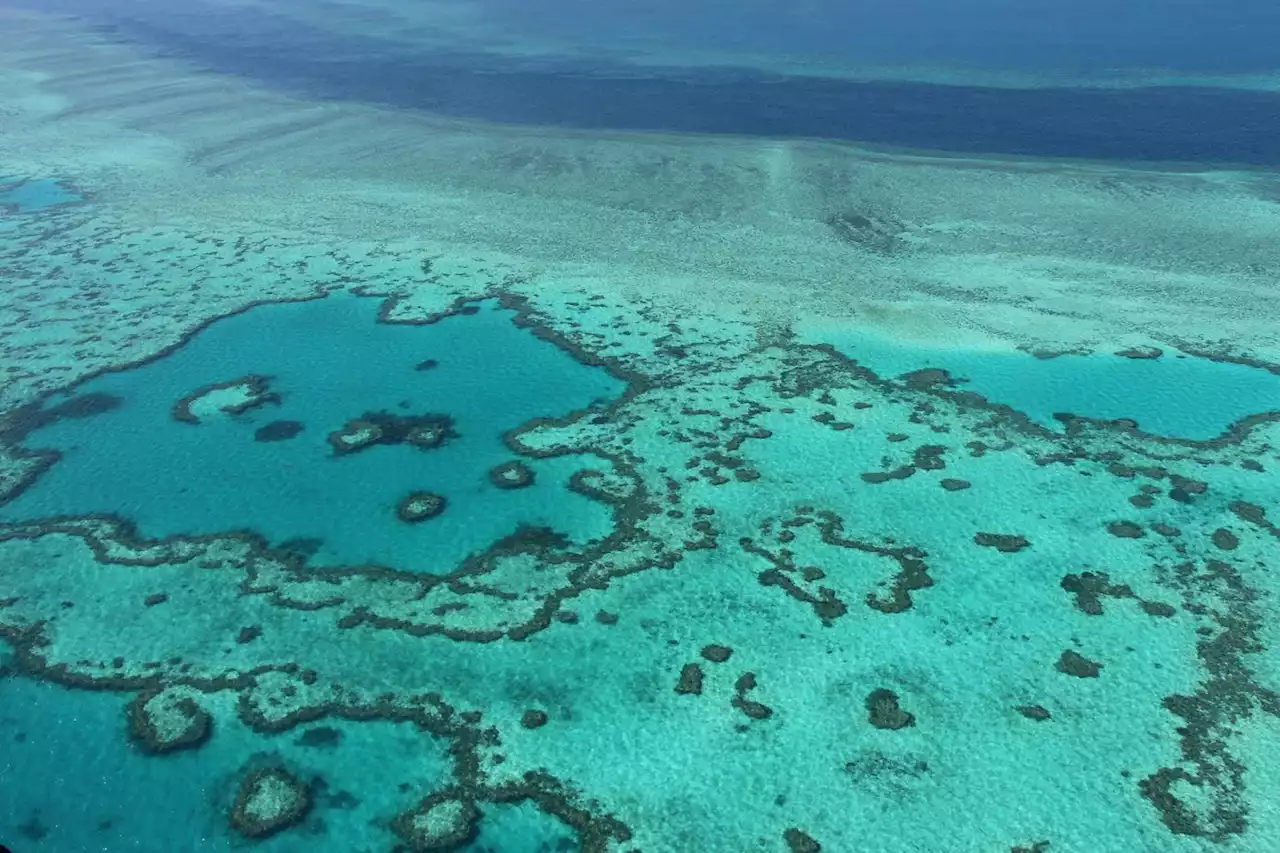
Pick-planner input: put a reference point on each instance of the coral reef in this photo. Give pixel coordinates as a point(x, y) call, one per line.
point(232, 397)
point(269, 800)
point(373, 428)
point(419, 506)
point(168, 720)
point(511, 475)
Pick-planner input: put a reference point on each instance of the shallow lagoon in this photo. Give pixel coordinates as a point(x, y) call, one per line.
point(85, 791)
point(170, 477)
point(1174, 396)
point(86, 788)
point(33, 196)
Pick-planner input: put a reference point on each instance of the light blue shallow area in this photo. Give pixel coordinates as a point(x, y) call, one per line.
point(330, 362)
point(1176, 395)
point(34, 195)
point(520, 828)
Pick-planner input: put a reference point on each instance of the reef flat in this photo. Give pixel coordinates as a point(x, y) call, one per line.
point(778, 579)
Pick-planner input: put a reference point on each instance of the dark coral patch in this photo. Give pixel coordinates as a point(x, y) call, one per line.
point(884, 712)
point(1034, 712)
point(1125, 530)
point(1158, 608)
point(952, 484)
point(27, 419)
point(354, 436)
point(160, 727)
point(867, 230)
point(1007, 543)
point(799, 841)
point(877, 477)
point(257, 392)
point(1251, 513)
point(419, 506)
point(268, 801)
point(690, 681)
point(1141, 352)
point(86, 406)
point(278, 431)
point(440, 822)
point(1209, 717)
point(1074, 664)
point(427, 431)
point(826, 605)
point(913, 575)
point(716, 653)
point(511, 475)
point(927, 379)
point(430, 435)
point(929, 457)
point(755, 710)
point(1185, 489)
point(1225, 539)
point(533, 719)
point(1090, 587)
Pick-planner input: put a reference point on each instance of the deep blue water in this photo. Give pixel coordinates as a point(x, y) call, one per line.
point(1179, 124)
point(1165, 124)
point(1084, 35)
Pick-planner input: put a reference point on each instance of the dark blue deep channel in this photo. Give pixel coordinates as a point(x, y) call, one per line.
point(1151, 124)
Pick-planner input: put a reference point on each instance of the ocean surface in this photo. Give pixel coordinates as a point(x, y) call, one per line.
point(605, 85)
point(639, 428)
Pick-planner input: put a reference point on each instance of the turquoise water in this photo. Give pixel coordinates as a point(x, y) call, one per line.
point(1175, 395)
point(84, 787)
point(32, 196)
point(521, 829)
point(171, 478)
point(758, 600)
